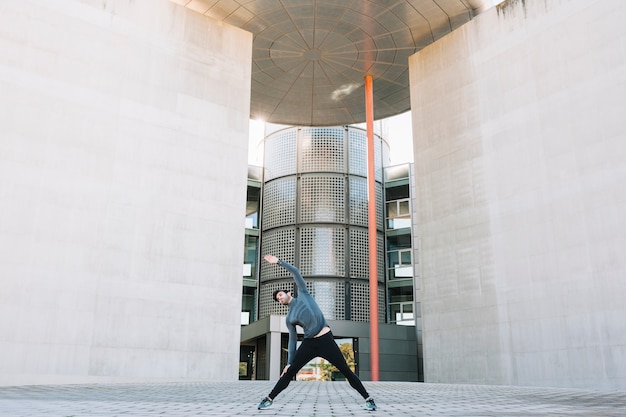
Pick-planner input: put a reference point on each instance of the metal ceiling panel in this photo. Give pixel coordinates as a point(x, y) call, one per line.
point(310, 57)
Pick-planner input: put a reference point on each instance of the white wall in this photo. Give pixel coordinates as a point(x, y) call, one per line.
point(123, 161)
point(520, 156)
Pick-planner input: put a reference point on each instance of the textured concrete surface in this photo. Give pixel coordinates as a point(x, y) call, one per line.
point(520, 165)
point(122, 191)
point(305, 399)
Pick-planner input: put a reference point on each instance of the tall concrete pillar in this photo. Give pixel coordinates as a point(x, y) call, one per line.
point(123, 160)
point(520, 165)
point(274, 350)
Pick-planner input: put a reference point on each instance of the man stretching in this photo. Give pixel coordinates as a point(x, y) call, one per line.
point(318, 339)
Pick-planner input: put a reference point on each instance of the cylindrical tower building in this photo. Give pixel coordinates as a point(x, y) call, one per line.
point(315, 216)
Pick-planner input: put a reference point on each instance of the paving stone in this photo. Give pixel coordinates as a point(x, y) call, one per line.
point(323, 399)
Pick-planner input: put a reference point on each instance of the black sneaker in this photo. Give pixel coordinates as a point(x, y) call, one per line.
point(267, 403)
point(370, 405)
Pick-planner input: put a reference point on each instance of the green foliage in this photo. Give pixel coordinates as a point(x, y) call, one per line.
point(328, 368)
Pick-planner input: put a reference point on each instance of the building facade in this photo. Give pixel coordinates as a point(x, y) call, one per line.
point(123, 182)
point(402, 254)
point(314, 214)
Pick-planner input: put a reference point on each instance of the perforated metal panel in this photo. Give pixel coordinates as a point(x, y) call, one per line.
point(359, 302)
point(358, 152)
point(279, 203)
point(323, 251)
point(267, 305)
point(359, 255)
point(280, 243)
point(280, 154)
point(322, 149)
point(330, 296)
point(380, 261)
point(358, 201)
point(323, 199)
point(359, 263)
point(318, 209)
point(380, 214)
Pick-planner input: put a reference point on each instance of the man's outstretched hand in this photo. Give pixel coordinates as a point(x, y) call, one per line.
point(271, 259)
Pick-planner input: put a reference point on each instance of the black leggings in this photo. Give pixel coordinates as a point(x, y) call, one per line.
point(323, 347)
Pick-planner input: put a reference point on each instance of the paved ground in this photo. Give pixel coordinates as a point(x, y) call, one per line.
point(325, 399)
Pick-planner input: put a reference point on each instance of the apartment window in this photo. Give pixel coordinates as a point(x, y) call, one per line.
point(250, 256)
point(248, 305)
point(401, 305)
point(398, 214)
point(399, 256)
point(249, 296)
point(252, 208)
point(399, 263)
point(402, 314)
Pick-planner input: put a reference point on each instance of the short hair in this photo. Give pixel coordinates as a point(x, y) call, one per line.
point(277, 291)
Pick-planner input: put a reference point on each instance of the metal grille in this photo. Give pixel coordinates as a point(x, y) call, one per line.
point(280, 243)
point(323, 251)
point(267, 303)
point(323, 199)
point(359, 302)
point(322, 150)
point(359, 255)
point(279, 203)
point(280, 154)
point(315, 205)
point(359, 263)
point(358, 152)
point(380, 261)
point(330, 296)
point(358, 201)
point(380, 214)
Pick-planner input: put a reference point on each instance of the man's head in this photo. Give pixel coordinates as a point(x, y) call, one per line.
point(282, 296)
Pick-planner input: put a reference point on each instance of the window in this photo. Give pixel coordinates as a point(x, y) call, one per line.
point(320, 369)
point(248, 305)
point(249, 296)
point(399, 256)
point(250, 256)
point(252, 208)
point(401, 305)
point(402, 314)
point(398, 214)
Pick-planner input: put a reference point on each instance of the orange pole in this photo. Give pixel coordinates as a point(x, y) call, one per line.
point(372, 239)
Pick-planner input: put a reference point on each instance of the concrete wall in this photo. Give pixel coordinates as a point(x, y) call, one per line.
point(123, 160)
point(520, 156)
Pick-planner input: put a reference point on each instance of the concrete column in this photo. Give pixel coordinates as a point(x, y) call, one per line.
point(123, 159)
point(520, 159)
point(273, 355)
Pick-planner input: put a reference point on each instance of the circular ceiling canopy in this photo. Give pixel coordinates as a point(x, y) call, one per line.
point(310, 57)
